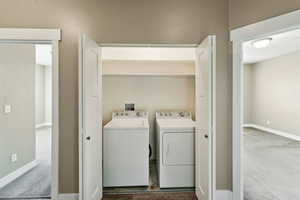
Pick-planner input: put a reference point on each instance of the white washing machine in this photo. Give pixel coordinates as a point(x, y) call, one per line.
point(126, 150)
point(176, 147)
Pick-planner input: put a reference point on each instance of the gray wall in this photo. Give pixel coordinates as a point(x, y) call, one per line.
point(17, 130)
point(48, 94)
point(43, 95)
point(244, 12)
point(130, 21)
point(275, 93)
point(149, 93)
point(139, 21)
point(39, 94)
point(248, 86)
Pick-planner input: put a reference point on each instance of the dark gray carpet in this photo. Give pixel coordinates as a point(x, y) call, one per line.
point(36, 183)
point(271, 167)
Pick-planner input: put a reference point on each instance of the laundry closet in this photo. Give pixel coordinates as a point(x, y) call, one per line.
point(130, 96)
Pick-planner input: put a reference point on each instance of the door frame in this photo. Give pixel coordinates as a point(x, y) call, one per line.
point(162, 45)
point(275, 25)
point(47, 36)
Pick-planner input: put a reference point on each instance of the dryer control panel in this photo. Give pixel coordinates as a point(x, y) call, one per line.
point(130, 115)
point(174, 115)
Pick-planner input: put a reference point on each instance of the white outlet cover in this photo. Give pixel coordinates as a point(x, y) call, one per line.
point(268, 122)
point(14, 157)
point(7, 108)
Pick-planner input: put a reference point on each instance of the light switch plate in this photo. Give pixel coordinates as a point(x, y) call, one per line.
point(7, 108)
point(14, 157)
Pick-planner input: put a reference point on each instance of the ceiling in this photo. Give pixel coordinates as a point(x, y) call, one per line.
point(148, 53)
point(281, 44)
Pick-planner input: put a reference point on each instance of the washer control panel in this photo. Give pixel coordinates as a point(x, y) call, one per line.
point(174, 115)
point(129, 114)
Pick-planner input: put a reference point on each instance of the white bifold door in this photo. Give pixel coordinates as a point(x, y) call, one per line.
point(205, 119)
point(90, 119)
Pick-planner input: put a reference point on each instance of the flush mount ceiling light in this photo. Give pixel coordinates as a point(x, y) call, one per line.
point(263, 43)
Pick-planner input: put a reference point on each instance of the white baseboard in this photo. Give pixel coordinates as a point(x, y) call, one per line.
point(220, 195)
point(224, 195)
point(17, 173)
point(43, 125)
point(68, 196)
point(276, 132)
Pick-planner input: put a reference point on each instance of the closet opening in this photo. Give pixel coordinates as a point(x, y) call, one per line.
point(155, 105)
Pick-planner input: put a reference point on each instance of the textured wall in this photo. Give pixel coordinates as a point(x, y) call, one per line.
point(275, 93)
point(130, 21)
point(17, 128)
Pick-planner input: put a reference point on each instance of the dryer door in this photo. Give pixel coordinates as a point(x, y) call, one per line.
point(178, 148)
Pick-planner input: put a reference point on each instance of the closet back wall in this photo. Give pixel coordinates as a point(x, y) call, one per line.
point(150, 93)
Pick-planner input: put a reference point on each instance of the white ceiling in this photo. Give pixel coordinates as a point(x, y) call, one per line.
point(281, 44)
point(148, 53)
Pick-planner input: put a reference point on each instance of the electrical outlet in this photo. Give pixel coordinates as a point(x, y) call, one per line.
point(268, 122)
point(14, 157)
point(7, 109)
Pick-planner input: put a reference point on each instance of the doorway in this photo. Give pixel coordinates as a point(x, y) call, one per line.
point(262, 126)
point(29, 112)
point(91, 73)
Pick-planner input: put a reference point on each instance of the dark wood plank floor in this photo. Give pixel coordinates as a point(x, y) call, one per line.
point(153, 196)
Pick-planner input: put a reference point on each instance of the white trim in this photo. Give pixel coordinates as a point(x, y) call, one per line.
point(80, 117)
point(214, 116)
point(274, 131)
point(17, 173)
point(55, 120)
point(148, 45)
point(68, 196)
point(149, 74)
point(29, 34)
point(223, 195)
point(264, 28)
point(43, 125)
point(51, 36)
point(282, 23)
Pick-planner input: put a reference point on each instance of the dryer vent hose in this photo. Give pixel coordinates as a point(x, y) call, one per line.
point(150, 151)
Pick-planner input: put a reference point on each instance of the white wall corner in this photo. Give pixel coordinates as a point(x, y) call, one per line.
point(273, 131)
point(224, 195)
point(43, 125)
point(248, 125)
point(68, 196)
point(17, 173)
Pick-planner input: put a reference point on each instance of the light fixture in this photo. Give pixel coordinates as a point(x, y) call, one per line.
point(262, 43)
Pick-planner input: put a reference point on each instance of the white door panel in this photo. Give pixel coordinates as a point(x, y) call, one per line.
point(90, 120)
point(178, 148)
point(205, 69)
